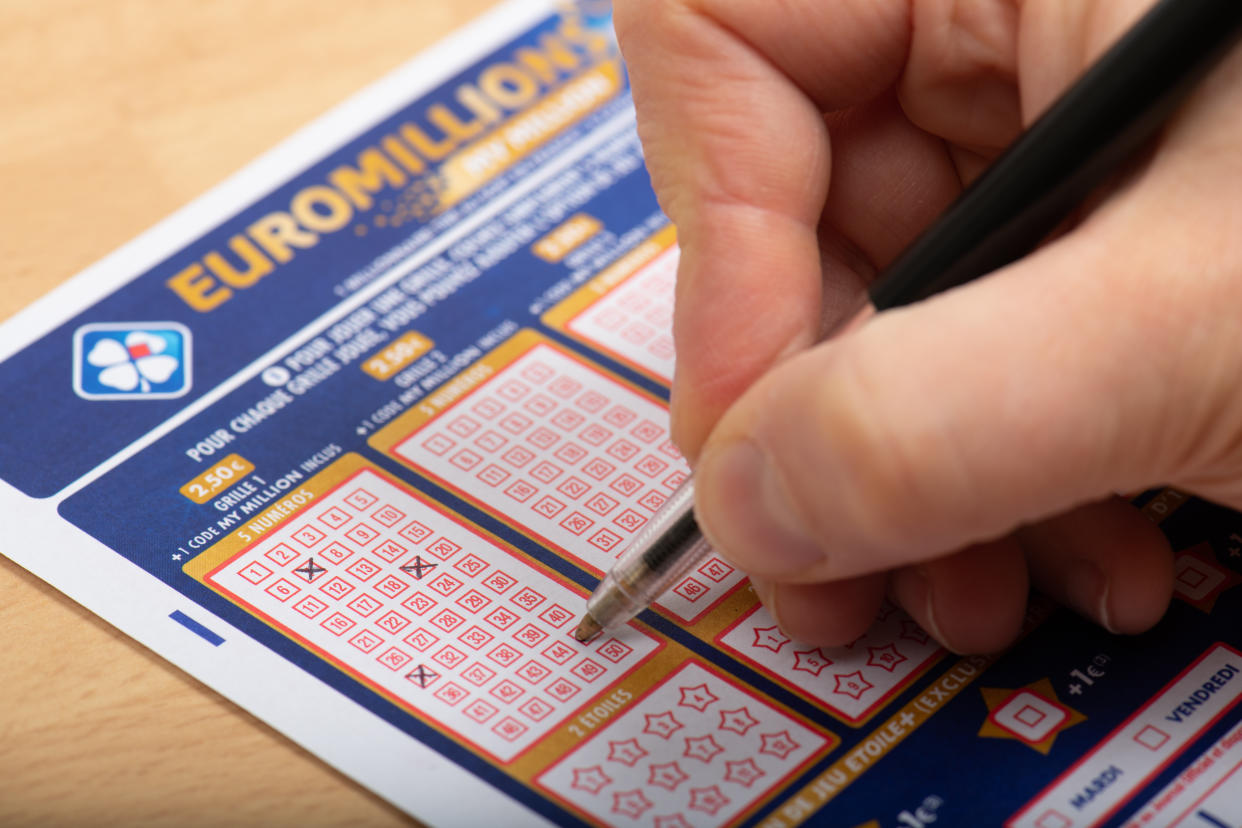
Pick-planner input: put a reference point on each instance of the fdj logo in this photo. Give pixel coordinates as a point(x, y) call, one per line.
point(131, 360)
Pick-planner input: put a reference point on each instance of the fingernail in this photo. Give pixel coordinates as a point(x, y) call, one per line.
point(746, 513)
point(1087, 590)
point(766, 592)
point(914, 590)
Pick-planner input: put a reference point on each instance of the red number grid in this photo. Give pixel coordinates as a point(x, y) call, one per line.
point(457, 628)
point(633, 321)
point(570, 454)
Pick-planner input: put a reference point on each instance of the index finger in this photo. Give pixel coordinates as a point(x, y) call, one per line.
point(730, 111)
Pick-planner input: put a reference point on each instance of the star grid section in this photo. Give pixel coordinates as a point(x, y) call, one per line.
point(698, 750)
point(573, 456)
point(851, 681)
point(461, 630)
point(634, 320)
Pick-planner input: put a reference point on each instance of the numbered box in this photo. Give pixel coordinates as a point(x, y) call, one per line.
point(452, 625)
point(574, 457)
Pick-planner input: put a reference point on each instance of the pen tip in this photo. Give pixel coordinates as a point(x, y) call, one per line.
point(587, 629)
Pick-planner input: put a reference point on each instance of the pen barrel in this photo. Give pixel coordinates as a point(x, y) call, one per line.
point(1100, 122)
point(660, 555)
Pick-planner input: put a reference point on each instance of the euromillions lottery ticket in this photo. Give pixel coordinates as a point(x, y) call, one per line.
point(352, 437)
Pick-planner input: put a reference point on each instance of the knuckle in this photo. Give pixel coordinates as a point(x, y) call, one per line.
point(963, 39)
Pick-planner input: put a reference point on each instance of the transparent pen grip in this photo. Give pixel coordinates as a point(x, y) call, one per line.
point(661, 554)
point(649, 583)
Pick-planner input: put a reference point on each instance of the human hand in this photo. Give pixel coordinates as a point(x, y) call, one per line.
point(952, 452)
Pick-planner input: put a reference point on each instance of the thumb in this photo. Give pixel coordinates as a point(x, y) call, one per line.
point(954, 421)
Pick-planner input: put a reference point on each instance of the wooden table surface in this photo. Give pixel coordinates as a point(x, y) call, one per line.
point(113, 113)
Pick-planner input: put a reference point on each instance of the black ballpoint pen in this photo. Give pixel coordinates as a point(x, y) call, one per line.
point(1099, 123)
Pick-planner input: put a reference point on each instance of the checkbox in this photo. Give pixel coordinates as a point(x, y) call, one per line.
point(1052, 819)
point(1152, 738)
point(1191, 578)
point(1194, 579)
point(1029, 716)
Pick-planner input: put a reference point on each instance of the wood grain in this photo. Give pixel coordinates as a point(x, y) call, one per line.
point(113, 113)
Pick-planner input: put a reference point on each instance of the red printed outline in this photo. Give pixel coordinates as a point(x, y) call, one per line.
point(763, 795)
point(1028, 691)
point(538, 341)
point(1142, 784)
point(501, 546)
point(900, 687)
point(567, 327)
point(1236, 769)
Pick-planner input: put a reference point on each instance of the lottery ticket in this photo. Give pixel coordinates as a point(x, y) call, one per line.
point(352, 438)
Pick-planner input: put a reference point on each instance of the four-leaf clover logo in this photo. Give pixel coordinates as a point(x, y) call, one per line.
point(131, 360)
